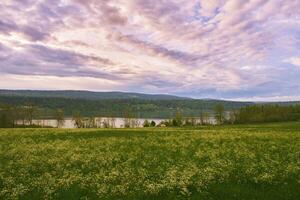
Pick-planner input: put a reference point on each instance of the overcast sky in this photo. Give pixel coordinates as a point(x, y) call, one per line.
point(229, 49)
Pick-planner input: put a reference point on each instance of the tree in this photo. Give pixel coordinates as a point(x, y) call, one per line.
point(99, 122)
point(20, 115)
point(60, 118)
point(134, 122)
point(193, 121)
point(233, 115)
point(202, 122)
point(78, 121)
point(165, 123)
point(127, 116)
point(106, 123)
point(30, 113)
point(130, 121)
point(112, 122)
point(152, 124)
point(177, 121)
point(219, 113)
point(267, 113)
point(92, 123)
point(206, 118)
point(7, 116)
point(187, 121)
point(109, 122)
point(146, 123)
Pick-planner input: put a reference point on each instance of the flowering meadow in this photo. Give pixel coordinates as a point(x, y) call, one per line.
point(210, 162)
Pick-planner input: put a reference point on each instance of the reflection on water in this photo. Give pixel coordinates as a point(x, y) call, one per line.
point(118, 122)
point(69, 123)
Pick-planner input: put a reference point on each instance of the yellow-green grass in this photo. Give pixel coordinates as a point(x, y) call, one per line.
point(223, 162)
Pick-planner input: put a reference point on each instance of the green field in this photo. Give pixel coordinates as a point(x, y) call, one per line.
point(225, 162)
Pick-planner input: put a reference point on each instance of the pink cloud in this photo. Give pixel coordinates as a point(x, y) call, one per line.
point(182, 45)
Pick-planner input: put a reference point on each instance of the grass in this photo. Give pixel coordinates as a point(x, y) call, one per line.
point(225, 162)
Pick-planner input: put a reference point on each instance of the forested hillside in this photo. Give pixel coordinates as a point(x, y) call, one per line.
point(116, 107)
point(115, 104)
point(77, 94)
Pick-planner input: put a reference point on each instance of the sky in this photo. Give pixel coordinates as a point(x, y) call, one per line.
point(223, 49)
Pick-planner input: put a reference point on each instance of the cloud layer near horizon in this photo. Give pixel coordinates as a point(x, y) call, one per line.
point(232, 49)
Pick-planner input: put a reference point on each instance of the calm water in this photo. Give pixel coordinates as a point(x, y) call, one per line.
point(118, 122)
point(69, 123)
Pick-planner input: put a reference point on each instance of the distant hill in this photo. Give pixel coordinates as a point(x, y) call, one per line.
point(116, 103)
point(112, 103)
point(74, 94)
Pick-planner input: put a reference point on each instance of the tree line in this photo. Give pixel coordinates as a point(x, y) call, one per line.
point(115, 107)
point(10, 115)
point(259, 113)
point(265, 113)
point(24, 116)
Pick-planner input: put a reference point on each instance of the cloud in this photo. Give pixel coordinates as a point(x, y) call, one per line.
point(217, 48)
point(48, 82)
point(7, 27)
point(294, 61)
point(41, 60)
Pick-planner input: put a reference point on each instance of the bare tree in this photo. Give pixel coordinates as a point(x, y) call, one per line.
point(77, 119)
point(60, 118)
point(219, 113)
point(129, 119)
point(30, 112)
point(206, 118)
point(99, 122)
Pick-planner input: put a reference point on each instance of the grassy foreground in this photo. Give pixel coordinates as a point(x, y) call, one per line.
point(229, 162)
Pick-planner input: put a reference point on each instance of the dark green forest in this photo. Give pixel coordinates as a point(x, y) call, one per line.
point(89, 95)
point(177, 112)
point(266, 113)
point(115, 107)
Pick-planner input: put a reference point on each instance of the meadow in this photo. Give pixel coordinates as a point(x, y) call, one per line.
point(209, 162)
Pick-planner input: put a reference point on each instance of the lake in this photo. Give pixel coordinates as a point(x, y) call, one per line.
point(118, 122)
point(69, 123)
